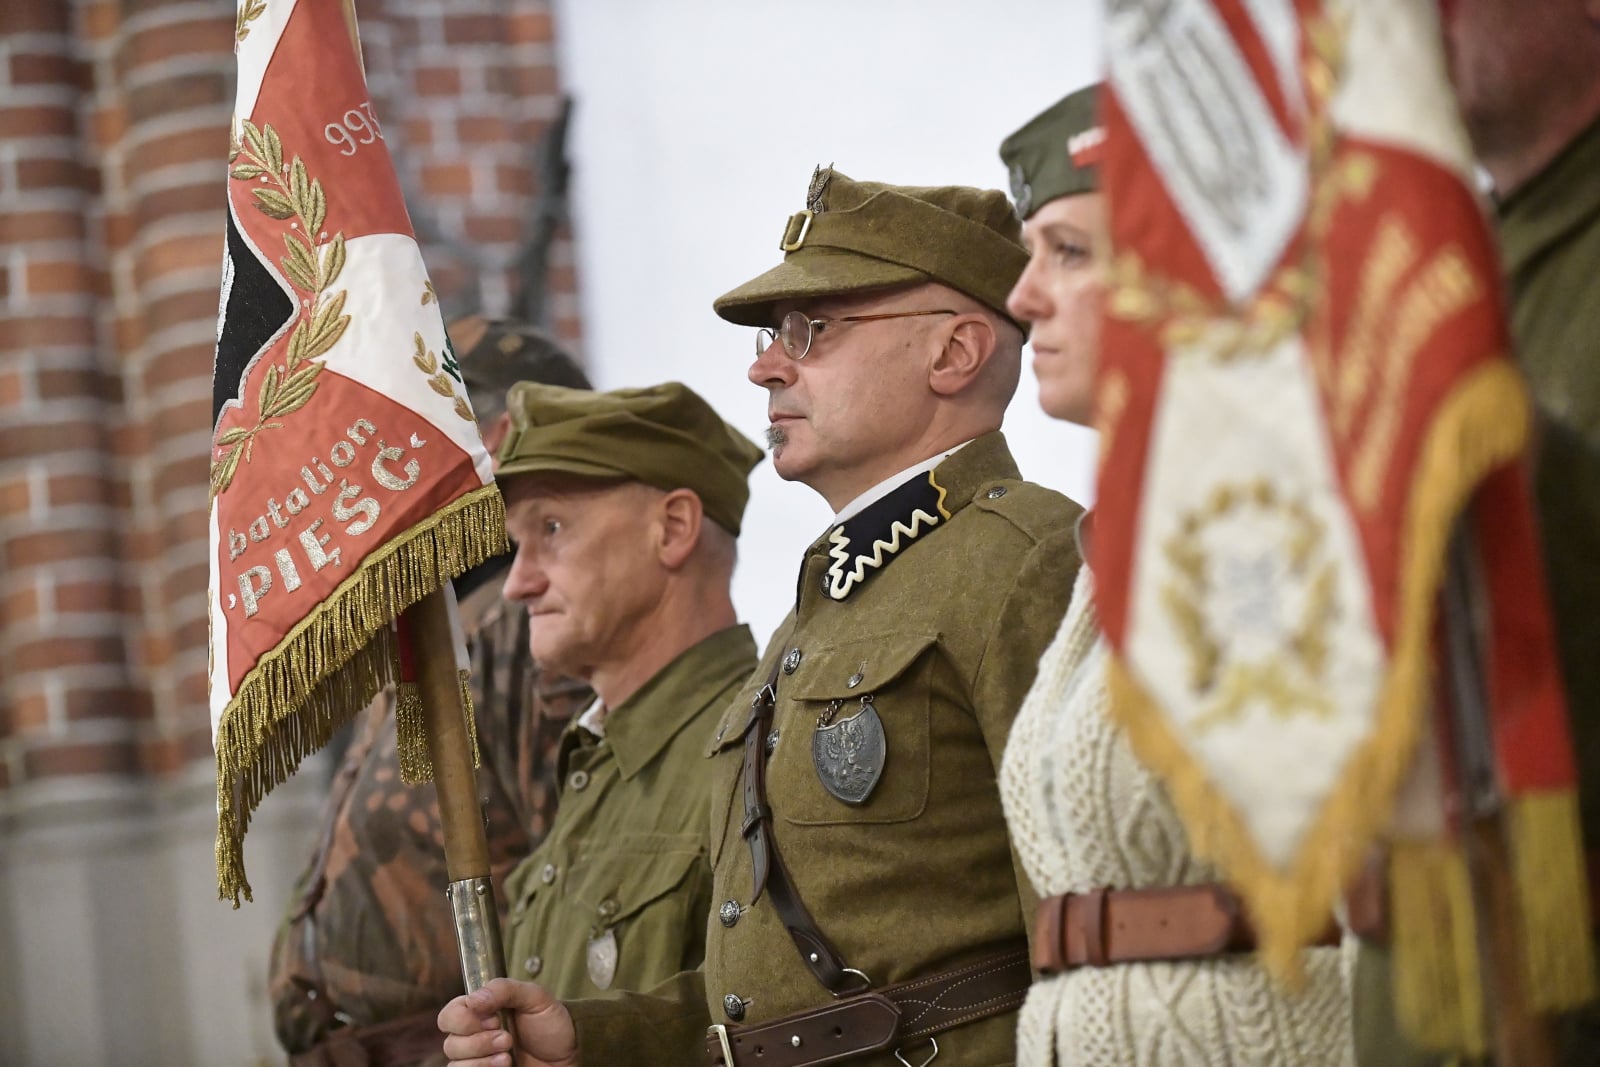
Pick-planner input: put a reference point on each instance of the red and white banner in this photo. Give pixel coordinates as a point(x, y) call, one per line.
point(1305, 378)
point(348, 479)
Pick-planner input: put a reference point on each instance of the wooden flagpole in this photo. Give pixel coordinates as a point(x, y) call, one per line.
point(1518, 1034)
point(466, 847)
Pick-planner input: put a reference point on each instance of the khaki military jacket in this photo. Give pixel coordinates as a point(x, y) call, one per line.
point(616, 896)
point(368, 938)
point(940, 628)
point(1550, 241)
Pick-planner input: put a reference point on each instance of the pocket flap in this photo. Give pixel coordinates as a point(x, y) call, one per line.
point(631, 871)
point(730, 731)
point(854, 668)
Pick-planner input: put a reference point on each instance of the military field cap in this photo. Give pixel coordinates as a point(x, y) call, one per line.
point(1057, 153)
point(665, 435)
point(498, 353)
point(855, 237)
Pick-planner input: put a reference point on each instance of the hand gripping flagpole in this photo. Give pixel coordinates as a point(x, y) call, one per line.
point(444, 714)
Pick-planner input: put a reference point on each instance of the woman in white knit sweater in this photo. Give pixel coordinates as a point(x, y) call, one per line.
point(1084, 813)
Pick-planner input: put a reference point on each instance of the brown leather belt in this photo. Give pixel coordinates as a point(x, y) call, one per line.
point(877, 1019)
point(1106, 926)
point(397, 1043)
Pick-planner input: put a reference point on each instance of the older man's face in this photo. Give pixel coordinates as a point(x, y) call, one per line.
point(841, 419)
point(1507, 56)
point(586, 569)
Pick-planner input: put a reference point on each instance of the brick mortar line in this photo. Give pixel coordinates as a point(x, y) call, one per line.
point(174, 11)
point(43, 146)
point(192, 119)
point(173, 67)
point(42, 94)
point(51, 44)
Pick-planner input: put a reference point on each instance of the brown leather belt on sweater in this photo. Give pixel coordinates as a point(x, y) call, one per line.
point(1106, 926)
point(403, 1041)
point(877, 1019)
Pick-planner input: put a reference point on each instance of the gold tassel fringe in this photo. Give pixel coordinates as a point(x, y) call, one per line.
point(471, 713)
point(1552, 884)
point(1438, 987)
point(1482, 424)
point(330, 665)
point(411, 735)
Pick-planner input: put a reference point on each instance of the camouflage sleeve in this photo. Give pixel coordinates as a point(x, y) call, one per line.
point(301, 1015)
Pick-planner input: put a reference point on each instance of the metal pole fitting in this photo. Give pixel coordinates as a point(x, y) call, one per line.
point(477, 931)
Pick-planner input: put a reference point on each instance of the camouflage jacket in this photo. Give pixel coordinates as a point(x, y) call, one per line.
point(368, 936)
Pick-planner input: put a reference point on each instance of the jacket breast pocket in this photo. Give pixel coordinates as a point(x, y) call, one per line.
point(853, 742)
point(652, 892)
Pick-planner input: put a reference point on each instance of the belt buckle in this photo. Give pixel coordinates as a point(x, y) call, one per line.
point(722, 1037)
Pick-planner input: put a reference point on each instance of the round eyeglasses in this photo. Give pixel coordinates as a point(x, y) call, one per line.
point(797, 331)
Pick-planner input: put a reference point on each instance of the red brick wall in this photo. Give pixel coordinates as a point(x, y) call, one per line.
point(113, 132)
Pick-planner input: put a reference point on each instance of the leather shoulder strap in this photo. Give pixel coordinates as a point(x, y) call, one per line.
point(766, 865)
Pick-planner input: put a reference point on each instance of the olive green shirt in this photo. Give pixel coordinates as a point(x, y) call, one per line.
point(616, 896)
point(1550, 241)
point(944, 635)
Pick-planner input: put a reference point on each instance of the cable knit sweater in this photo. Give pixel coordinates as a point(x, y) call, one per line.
point(1083, 813)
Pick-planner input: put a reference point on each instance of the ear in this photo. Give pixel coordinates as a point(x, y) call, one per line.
point(494, 432)
point(679, 515)
point(969, 341)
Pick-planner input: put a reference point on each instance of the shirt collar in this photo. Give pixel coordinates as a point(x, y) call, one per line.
point(894, 481)
point(593, 718)
point(699, 679)
point(1553, 203)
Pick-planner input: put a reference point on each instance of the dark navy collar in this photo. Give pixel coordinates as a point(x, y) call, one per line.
point(870, 540)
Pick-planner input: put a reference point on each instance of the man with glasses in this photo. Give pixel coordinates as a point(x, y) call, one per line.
point(865, 905)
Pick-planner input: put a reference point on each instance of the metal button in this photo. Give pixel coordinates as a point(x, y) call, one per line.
point(578, 781)
point(791, 662)
point(729, 913)
point(533, 965)
point(996, 493)
point(548, 875)
point(772, 741)
point(795, 1041)
point(733, 1007)
point(608, 907)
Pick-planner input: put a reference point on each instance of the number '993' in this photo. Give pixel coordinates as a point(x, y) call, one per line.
point(356, 127)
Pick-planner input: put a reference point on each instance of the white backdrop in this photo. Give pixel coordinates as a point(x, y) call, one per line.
point(696, 127)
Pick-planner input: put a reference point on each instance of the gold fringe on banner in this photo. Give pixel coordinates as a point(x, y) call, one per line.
point(329, 667)
point(1480, 425)
point(411, 736)
point(1552, 884)
point(471, 713)
point(1438, 987)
